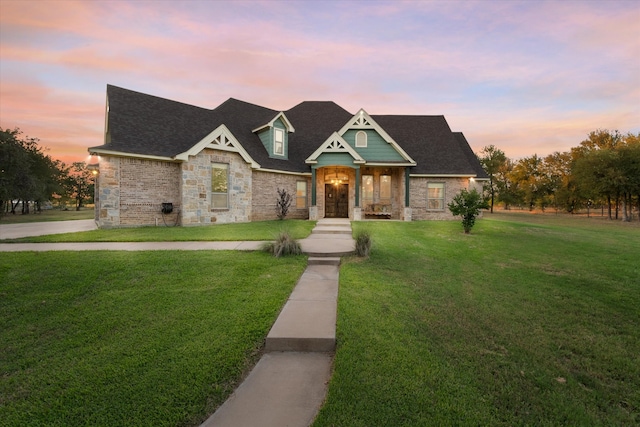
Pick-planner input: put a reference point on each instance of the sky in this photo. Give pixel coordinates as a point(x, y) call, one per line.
point(529, 77)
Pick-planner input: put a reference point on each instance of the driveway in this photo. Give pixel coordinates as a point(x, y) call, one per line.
point(15, 231)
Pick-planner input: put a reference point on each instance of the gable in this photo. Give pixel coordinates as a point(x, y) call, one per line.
point(335, 145)
point(377, 149)
point(378, 152)
point(277, 130)
point(219, 139)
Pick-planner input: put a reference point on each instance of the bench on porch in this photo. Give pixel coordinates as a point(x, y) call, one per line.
point(378, 210)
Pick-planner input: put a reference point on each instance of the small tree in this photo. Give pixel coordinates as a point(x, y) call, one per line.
point(283, 203)
point(467, 204)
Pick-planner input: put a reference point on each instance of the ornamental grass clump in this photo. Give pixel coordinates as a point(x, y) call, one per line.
point(284, 244)
point(363, 243)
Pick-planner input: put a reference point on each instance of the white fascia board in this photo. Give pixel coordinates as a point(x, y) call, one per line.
point(375, 126)
point(324, 148)
point(284, 172)
point(102, 152)
point(280, 115)
point(441, 175)
point(390, 164)
point(207, 142)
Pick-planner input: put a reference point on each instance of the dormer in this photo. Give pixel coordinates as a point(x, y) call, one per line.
point(275, 136)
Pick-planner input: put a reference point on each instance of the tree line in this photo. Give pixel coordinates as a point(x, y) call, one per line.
point(29, 178)
point(603, 170)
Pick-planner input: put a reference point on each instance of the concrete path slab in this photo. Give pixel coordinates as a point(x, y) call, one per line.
point(284, 389)
point(15, 231)
point(304, 325)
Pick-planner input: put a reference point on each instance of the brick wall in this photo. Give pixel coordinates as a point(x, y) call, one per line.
point(144, 186)
point(108, 198)
point(418, 197)
point(265, 194)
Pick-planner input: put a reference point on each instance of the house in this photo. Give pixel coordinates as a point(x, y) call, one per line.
point(165, 161)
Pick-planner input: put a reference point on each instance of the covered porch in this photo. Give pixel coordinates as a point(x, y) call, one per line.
point(360, 192)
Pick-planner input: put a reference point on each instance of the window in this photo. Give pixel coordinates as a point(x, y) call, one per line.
point(278, 141)
point(301, 194)
point(361, 139)
point(435, 196)
point(219, 185)
point(367, 189)
point(385, 189)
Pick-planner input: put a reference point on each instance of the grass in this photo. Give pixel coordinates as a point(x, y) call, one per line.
point(258, 230)
point(530, 320)
point(47, 215)
point(144, 338)
point(519, 323)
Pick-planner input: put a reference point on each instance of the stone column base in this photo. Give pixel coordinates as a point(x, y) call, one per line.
point(357, 214)
point(313, 213)
point(407, 214)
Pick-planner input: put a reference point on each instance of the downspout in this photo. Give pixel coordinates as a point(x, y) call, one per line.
point(406, 188)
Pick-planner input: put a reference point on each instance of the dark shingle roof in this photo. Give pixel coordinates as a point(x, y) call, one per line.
point(148, 125)
point(471, 156)
point(430, 142)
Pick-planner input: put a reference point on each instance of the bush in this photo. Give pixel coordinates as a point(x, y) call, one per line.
point(284, 244)
point(283, 203)
point(363, 243)
point(468, 204)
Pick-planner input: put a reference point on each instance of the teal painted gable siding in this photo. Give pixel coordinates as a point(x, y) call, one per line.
point(333, 159)
point(266, 136)
point(377, 149)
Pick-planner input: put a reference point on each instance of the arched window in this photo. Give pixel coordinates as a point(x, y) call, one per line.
point(361, 139)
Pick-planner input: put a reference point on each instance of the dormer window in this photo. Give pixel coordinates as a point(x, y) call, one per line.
point(361, 139)
point(278, 141)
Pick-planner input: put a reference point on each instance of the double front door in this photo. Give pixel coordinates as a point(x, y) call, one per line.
point(336, 201)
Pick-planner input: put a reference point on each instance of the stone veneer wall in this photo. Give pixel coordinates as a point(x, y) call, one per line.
point(265, 194)
point(108, 192)
point(418, 197)
point(196, 189)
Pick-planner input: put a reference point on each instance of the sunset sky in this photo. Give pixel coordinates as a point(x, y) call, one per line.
point(528, 77)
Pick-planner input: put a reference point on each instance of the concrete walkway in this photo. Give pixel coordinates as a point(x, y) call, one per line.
point(29, 229)
point(289, 383)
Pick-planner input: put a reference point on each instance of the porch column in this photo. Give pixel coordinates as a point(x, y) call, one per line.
point(358, 187)
point(313, 186)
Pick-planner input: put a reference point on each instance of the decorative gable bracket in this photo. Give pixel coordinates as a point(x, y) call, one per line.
point(335, 144)
point(219, 139)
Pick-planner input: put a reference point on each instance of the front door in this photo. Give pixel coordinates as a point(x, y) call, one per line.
point(336, 201)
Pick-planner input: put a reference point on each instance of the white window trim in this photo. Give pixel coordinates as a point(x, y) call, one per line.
point(443, 198)
point(214, 192)
point(301, 197)
point(277, 131)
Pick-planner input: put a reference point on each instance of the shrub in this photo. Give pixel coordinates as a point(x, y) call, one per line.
point(284, 244)
point(467, 204)
point(363, 243)
point(283, 203)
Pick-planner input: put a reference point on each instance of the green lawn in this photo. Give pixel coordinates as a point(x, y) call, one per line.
point(136, 339)
point(516, 324)
point(530, 320)
point(258, 230)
